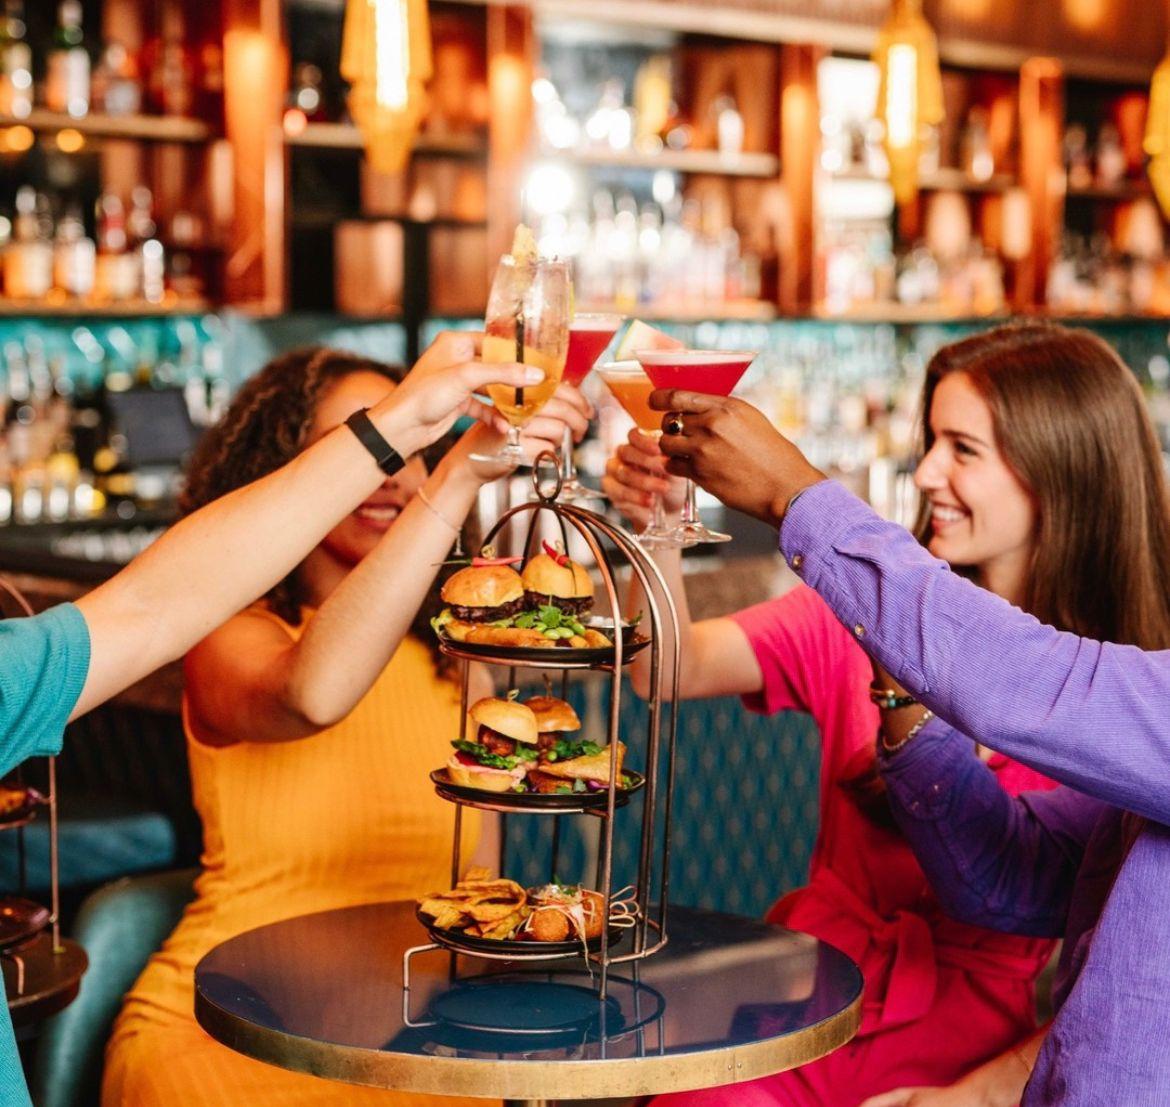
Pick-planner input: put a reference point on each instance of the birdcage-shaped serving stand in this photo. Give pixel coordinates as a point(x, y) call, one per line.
point(657, 633)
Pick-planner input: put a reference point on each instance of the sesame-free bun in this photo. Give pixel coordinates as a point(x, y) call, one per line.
point(507, 717)
point(553, 714)
point(543, 576)
point(479, 776)
point(483, 586)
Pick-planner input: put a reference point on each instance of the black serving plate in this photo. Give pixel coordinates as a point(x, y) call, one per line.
point(516, 948)
point(632, 643)
point(537, 801)
point(20, 919)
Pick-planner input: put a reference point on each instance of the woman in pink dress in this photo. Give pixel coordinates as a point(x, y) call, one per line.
point(1022, 425)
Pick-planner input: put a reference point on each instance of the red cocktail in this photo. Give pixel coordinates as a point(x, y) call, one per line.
point(588, 336)
point(715, 372)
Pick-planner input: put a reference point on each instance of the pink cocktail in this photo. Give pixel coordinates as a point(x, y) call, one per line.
point(714, 372)
point(588, 337)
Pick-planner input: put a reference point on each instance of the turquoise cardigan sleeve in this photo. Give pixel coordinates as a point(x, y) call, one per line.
point(44, 661)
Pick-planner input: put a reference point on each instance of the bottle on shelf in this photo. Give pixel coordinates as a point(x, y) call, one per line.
point(67, 74)
point(142, 233)
point(170, 72)
point(116, 88)
point(16, 83)
point(28, 258)
point(116, 273)
point(74, 256)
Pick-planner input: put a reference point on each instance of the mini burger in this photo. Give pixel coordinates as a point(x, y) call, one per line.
point(552, 579)
point(501, 747)
point(566, 763)
point(479, 596)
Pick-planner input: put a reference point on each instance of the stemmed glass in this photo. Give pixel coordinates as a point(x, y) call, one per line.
point(589, 334)
point(631, 388)
point(715, 372)
point(527, 321)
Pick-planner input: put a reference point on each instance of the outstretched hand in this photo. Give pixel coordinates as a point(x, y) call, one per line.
point(730, 449)
point(636, 474)
point(439, 389)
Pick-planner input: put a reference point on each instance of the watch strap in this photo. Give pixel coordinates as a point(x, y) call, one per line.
point(388, 458)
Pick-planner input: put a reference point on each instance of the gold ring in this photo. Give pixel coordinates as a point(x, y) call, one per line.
point(673, 423)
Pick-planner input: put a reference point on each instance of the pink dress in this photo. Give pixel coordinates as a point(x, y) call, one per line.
point(940, 997)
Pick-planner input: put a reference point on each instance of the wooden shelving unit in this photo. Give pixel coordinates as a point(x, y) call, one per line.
point(77, 309)
point(708, 162)
point(345, 136)
point(945, 179)
point(140, 128)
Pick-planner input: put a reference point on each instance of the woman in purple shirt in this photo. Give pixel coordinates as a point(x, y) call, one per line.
point(1090, 861)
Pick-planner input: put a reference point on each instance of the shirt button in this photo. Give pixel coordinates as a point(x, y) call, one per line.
point(797, 560)
point(859, 630)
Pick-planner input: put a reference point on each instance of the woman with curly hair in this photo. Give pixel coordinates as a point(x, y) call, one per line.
point(312, 720)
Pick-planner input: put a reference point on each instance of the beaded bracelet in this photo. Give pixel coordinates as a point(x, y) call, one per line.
point(888, 699)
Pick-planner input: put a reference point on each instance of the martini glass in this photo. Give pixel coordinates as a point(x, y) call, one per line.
point(714, 372)
point(588, 336)
point(631, 388)
point(527, 321)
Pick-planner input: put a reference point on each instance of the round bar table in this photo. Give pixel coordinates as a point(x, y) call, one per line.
point(728, 999)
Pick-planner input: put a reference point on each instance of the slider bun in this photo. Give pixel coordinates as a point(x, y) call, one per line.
point(507, 717)
point(553, 714)
point(545, 577)
point(479, 776)
point(483, 586)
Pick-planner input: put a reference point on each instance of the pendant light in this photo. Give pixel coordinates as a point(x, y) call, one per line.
point(386, 58)
point(909, 91)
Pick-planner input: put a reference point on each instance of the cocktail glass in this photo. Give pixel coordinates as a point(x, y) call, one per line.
point(714, 372)
point(631, 388)
point(527, 321)
point(589, 335)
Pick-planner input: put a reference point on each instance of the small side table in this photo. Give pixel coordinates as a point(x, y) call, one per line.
point(40, 980)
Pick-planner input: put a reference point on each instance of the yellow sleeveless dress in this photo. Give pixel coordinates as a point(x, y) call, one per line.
point(345, 817)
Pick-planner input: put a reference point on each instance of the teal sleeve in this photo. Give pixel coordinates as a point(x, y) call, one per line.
point(44, 661)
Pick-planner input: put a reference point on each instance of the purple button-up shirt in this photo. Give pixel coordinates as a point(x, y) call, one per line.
point(1094, 716)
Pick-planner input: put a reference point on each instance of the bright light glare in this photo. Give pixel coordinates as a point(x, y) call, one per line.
point(663, 186)
point(543, 91)
point(550, 189)
point(902, 95)
point(392, 53)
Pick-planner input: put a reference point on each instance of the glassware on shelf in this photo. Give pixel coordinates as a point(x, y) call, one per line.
point(631, 387)
point(16, 82)
point(67, 73)
point(714, 372)
point(527, 321)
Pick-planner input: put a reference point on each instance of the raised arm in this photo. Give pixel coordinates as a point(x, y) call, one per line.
point(214, 562)
point(1092, 716)
point(249, 678)
point(993, 860)
point(716, 658)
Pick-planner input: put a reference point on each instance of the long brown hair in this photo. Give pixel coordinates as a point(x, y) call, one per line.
point(265, 427)
point(1071, 423)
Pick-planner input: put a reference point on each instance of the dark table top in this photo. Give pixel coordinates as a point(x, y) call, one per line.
point(728, 999)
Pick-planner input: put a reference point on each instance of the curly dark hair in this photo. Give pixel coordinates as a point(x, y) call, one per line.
point(265, 427)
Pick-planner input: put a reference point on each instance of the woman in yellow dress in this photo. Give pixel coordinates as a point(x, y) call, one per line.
point(312, 721)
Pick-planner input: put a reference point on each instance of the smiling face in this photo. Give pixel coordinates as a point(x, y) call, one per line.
point(981, 515)
point(359, 532)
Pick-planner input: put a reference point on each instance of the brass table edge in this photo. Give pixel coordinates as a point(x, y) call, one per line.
point(599, 1078)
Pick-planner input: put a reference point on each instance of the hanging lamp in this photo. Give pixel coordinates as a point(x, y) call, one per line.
point(909, 91)
point(386, 58)
point(1157, 140)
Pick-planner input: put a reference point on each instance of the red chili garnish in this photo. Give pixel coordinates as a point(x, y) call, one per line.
point(487, 562)
point(557, 556)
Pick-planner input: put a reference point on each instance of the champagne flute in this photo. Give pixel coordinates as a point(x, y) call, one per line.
point(631, 388)
point(527, 321)
point(715, 372)
point(589, 335)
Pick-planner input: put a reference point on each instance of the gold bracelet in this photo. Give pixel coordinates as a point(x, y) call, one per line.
point(893, 747)
point(437, 513)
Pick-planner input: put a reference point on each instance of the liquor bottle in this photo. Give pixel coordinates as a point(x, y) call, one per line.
point(28, 258)
point(74, 256)
point(116, 89)
point(142, 232)
point(67, 73)
point(116, 276)
point(16, 81)
point(170, 88)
